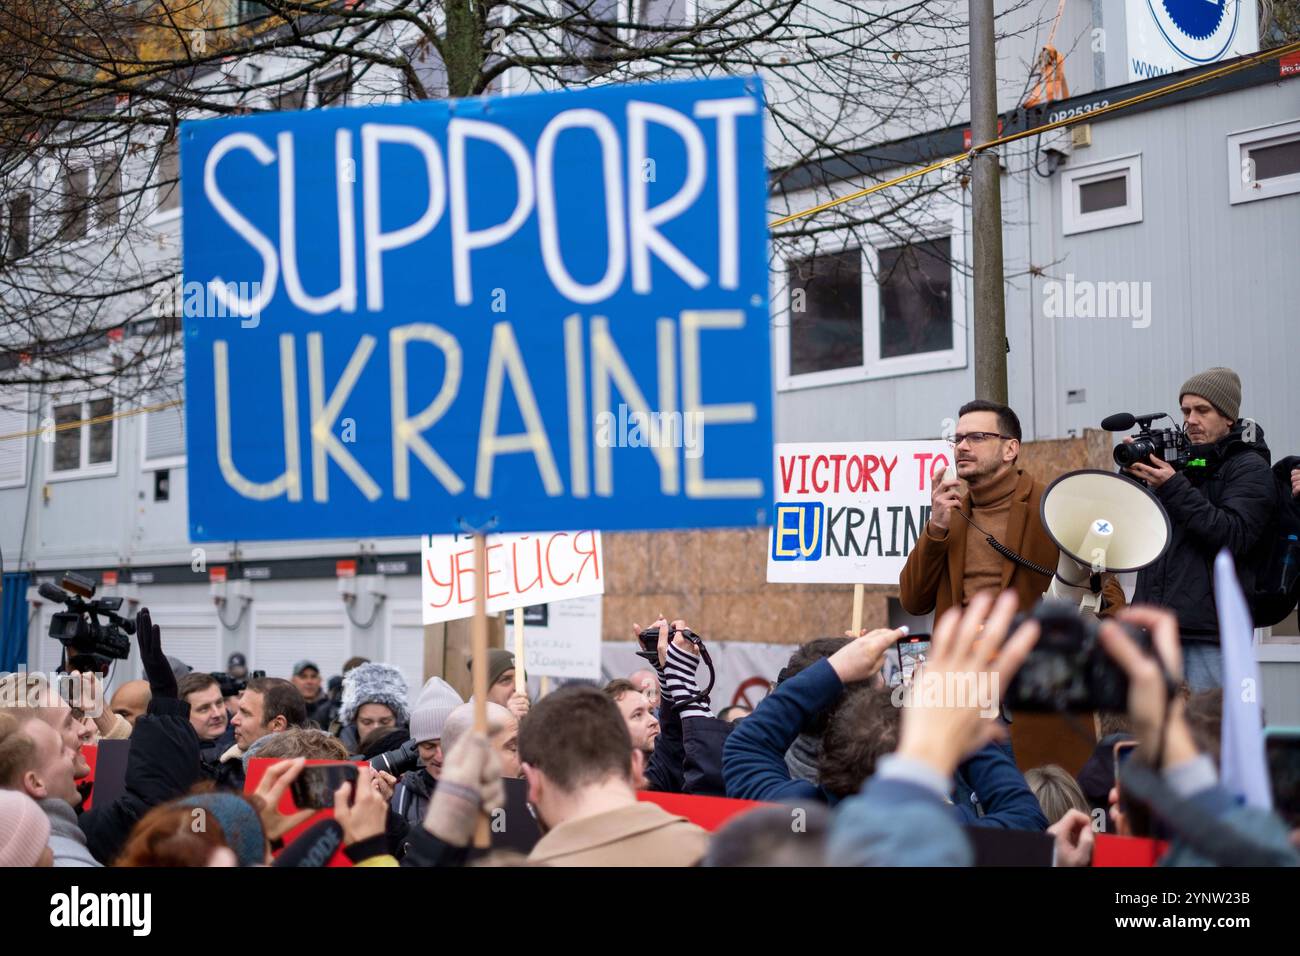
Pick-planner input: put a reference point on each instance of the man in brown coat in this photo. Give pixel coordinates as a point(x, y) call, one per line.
point(583, 774)
point(952, 560)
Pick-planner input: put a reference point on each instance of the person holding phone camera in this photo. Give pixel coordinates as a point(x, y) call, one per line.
point(1223, 498)
point(902, 817)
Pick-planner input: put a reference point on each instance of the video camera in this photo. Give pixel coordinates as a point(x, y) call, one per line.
point(234, 686)
point(88, 643)
point(1068, 670)
point(1168, 444)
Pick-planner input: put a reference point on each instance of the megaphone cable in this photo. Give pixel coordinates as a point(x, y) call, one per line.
point(1006, 552)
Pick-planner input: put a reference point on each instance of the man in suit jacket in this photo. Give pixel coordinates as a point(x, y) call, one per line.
point(952, 560)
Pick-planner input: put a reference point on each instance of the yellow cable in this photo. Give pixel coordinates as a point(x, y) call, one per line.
point(174, 403)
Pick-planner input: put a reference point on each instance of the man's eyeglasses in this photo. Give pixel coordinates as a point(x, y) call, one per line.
point(975, 438)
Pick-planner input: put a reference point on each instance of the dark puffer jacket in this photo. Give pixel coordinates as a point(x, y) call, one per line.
point(1225, 503)
point(411, 796)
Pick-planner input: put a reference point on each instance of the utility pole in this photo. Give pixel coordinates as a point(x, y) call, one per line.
point(986, 194)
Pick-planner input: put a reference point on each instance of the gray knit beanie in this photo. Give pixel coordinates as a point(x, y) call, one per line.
point(1219, 386)
point(436, 701)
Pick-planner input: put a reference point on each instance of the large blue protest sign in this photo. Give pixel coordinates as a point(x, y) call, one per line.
point(530, 313)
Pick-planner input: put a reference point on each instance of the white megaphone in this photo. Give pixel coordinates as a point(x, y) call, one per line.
point(1101, 521)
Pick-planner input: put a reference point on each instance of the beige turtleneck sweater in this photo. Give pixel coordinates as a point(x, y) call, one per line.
point(990, 507)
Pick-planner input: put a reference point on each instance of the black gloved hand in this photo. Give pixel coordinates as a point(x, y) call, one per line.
point(162, 682)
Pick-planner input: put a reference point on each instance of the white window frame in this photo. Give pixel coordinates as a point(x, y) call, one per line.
point(1239, 145)
point(156, 464)
point(100, 470)
point(24, 413)
point(1074, 222)
point(949, 223)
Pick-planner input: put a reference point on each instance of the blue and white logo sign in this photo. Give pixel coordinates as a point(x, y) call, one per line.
point(1165, 36)
point(524, 313)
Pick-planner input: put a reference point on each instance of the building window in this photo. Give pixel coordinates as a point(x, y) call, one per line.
point(290, 99)
point(76, 192)
point(168, 179)
point(874, 311)
point(108, 192)
point(825, 312)
point(333, 90)
point(662, 13)
point(1265, 162)
point(18, 238)
point(915, 298)
point(1102, 195)
point(13, 451)
point(83, 450)
point(590, 35)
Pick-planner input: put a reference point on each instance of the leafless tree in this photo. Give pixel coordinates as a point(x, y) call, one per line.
point(91, 92)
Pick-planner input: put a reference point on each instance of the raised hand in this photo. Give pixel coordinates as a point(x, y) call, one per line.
point(162, 682)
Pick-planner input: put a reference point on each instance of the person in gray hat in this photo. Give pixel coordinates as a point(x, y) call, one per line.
point(1223, 498)
point(306, 677)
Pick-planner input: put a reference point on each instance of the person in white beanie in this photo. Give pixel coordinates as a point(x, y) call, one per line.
point(436, 702)
point(24, 831)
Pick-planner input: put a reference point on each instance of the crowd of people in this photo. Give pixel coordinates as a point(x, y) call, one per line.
point(845, 768)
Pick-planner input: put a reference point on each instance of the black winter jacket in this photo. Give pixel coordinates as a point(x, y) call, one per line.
point(163, 764)
point(1226, 503)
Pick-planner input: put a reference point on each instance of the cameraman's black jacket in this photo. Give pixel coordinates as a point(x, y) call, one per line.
point(1225, 504)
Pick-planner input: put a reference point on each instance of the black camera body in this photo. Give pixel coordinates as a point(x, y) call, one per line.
point(89, 644)
point(1168, 444)
point(649, 641)
point(1068, 670)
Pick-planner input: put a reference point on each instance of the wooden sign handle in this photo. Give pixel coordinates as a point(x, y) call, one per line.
point(521, 679)
point(858, 593)
point(479, 669)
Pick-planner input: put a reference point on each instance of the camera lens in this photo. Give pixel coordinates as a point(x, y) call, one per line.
point(1127, 453)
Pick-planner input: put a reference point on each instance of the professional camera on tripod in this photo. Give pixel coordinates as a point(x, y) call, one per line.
point(88, 643)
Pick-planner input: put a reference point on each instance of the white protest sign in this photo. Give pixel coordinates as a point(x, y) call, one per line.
point(850, 512)
point(566, 640)
point(522, 569)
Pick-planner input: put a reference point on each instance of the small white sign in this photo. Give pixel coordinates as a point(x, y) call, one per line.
point(568, 644)
point(522, 569)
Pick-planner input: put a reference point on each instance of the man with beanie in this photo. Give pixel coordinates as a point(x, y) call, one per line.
point(1222, 499)
point(428, 717)
point(24, 832)
point(306, 677)
point(374, 698)
point(501, 682)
